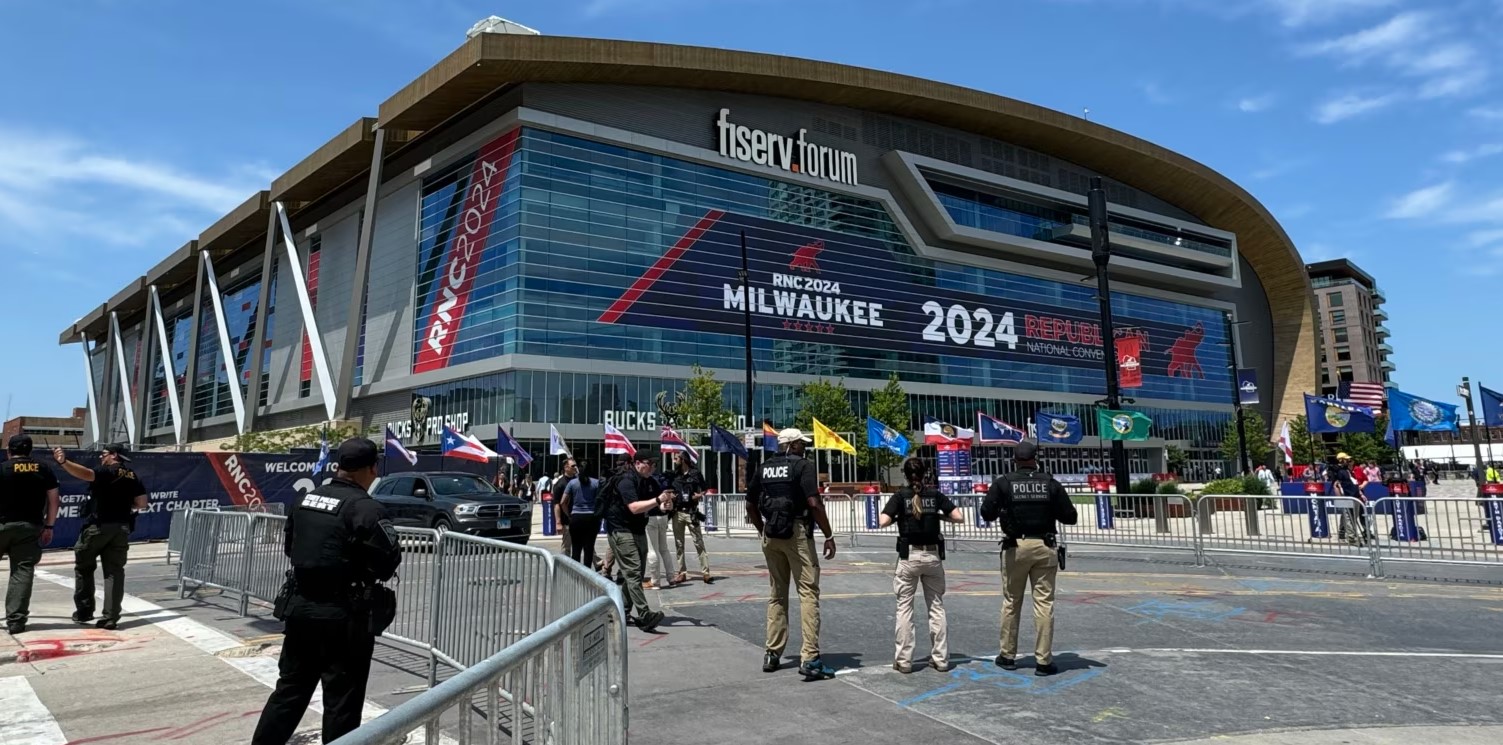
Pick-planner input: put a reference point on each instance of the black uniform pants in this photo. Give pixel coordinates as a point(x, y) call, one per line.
point(314, 652)
point(583, 530)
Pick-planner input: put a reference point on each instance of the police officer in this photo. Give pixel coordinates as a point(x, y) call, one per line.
point(783, 503)
point(115, 495)
point(340, 544)
point(688, 491)
point(1028, 502)
point(28, 510)
point(628, 497)
point(918, 509)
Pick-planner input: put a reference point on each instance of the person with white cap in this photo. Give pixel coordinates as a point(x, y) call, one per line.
point(783, 503)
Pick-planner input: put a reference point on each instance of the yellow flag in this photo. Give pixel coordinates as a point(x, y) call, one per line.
point(825, 438)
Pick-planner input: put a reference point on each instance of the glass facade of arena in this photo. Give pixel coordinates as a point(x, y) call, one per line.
point(596, 251)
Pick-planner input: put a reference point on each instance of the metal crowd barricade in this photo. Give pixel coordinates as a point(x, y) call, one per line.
point(488, 596)
point(569, 675)
point(215, 553)
point(1154, 521)
point(1330, 528)
point(415, 584)
point(1439, 530)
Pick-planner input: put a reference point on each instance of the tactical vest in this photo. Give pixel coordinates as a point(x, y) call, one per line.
point(320, 554)
point(922, 531)
point(780, 502)
point(1030, 512)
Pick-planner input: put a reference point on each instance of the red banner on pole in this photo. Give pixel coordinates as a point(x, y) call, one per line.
point(1130, 362)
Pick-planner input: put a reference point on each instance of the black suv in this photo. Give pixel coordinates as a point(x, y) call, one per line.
point(454, 500)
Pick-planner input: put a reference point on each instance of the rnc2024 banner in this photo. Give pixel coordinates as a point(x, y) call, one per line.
point(833, 288)
point(180, 481)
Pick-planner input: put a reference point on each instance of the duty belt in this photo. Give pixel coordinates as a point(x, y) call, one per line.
point(923, 547)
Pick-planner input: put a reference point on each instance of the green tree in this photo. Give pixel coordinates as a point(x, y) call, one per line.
point(1307, 449)
point(703, 402)
point(830, 403)
point(1258, 445)
point(1176, 459)
point(284, 440)
point(1369, 446)
point(889, 406)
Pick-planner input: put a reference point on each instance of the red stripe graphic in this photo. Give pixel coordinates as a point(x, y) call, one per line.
point(465, 251)
point(663, 264)
point(235, 476)
point(305, 370)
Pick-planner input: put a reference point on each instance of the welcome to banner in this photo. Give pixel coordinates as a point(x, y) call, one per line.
point(180, 481)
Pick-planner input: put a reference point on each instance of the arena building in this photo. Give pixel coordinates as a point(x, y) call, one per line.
point(547, 230)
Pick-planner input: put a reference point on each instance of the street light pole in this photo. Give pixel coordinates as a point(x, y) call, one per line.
point(1101, 255)
point(1465, 389)
point(1231, 336)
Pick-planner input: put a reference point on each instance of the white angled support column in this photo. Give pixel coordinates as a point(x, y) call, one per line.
point(124, 375)
point(88, 362)
point(165, 353)
point(237, 396)
point(310, 324)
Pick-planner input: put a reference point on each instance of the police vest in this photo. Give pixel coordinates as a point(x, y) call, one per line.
point(919, 531)
point(781, 502)
point(1030, 510)
point(321, 551)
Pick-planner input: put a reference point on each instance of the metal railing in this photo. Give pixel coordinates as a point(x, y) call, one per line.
point(1460, 531)
point(563, 671)
point(465, 601)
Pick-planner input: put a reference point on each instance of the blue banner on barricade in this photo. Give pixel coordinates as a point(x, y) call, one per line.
point(1405, 527)
point(872, 510)
point(1105, 518)
point(550, 521)
point(709, 509)
point(1320, 522)
point(1495, 520)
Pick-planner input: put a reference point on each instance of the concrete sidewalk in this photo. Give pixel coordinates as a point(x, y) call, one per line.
point(160, 677)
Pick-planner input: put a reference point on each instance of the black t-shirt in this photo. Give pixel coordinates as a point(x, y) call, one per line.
point(923, 531)
point(112, 494)
point(630, 487)
point(24, 484)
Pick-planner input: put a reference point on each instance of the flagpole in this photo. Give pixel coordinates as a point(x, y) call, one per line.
point(1465, 389)
point(1487, 431)
point(746, 319)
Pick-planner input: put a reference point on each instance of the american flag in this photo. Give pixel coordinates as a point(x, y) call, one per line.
point(1371, 395)
point(616, 443)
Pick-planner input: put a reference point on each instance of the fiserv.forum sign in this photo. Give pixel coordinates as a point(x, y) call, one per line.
point(793, 154)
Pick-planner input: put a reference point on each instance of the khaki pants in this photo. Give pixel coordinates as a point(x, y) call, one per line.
point(20, 541)
point(657, 551)
point(921, 568)
point(789, 559)
point(629, 550)
point(1031, 563)
point(685, 520)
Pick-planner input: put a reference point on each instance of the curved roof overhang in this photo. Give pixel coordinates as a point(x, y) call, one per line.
point(489, 62)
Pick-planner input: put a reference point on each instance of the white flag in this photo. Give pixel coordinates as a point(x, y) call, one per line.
point(1286, 445)
point(556, 444)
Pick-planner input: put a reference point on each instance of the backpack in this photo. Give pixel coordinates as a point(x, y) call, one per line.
point(607, 493)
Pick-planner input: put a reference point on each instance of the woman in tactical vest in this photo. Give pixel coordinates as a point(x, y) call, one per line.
point(918, 509)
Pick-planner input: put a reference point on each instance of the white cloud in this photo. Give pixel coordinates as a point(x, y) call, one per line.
point(1399, 32)
point(1254, 104)
point(1318, 251)
point(1155, 93)
point(1423, 203)
point(1295, 13)
point(1295, 212)
point(1349, 105)
point(1465, 156)
point(1482, 238)
point(1275, 168)
point(58, 192)
point(1489, 113)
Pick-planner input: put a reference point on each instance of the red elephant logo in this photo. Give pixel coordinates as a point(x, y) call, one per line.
point(804, 257)
point(1184, 362)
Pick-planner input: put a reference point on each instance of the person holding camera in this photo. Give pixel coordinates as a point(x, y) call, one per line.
point(918, 509)
point(341, 545)
point(688, 492)
point(1028, 502)
point(115, 496)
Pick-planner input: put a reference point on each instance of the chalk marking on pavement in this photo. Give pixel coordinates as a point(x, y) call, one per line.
point(213, 641)
point(24, 719)
point(1312, 653)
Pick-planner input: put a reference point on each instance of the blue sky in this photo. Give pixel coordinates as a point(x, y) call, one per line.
point(1373, 129)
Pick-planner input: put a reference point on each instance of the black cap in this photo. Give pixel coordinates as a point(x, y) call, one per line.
point(1026, 450)
point(21, 444)
point(356, 453)
point(119, 451)
point(643, 456)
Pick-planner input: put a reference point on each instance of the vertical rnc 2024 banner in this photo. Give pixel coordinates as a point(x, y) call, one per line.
point(180, 481)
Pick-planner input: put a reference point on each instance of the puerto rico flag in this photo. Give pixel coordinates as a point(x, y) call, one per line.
point(465, 447)
point(616, 443)
point(673, 442)
point(395, 449)
point(940, 433)
point(993, 431)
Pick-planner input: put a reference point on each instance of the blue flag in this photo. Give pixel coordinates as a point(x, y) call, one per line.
point(1411, 413)
point(993, 431)
point(879, 435)
point(1492, 406)
point(323, 457)
point(395, 449)
point(722, 441)
point(1057, 429)
point(506, 445)
point(1334, 415)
